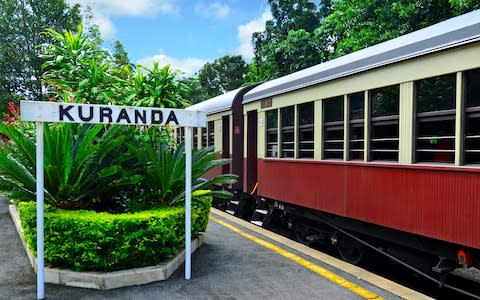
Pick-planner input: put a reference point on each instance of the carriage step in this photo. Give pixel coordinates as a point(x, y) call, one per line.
point(232, 212)
point(261, 211)
point(258, 223)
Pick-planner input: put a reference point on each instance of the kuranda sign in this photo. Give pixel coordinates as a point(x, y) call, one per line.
point(41, 111)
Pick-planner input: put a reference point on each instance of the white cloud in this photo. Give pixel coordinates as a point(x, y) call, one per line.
point(245, 31)
point(189, 66)
point(103, 10)
point(216, 9)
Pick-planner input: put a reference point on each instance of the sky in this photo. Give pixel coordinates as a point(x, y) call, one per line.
point(183, 33)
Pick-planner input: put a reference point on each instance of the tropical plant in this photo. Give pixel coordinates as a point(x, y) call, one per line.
point(75, 65)
point(163, 173)
point(82, 164)
point(155, 87)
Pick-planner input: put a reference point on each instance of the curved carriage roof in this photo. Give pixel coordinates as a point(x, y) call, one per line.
point(216, 104)
point(450, 33)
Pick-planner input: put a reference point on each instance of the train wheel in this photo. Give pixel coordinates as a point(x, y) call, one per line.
point(350, 250)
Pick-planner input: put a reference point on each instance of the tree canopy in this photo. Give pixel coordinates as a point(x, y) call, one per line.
point(222, 75)
point(21, 25)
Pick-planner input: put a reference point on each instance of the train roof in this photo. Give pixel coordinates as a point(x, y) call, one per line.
point(216, 104)
point(450, 33)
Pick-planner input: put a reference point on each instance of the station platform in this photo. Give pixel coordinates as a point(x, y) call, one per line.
point(238, 260)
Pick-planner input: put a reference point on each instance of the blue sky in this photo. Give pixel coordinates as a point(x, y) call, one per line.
point(183, 33)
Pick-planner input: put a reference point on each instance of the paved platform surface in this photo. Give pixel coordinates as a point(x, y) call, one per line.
point(227, 266)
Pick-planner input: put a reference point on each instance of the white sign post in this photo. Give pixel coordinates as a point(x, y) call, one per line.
point(40, 112)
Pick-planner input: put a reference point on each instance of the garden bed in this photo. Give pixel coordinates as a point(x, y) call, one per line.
point(105, 251)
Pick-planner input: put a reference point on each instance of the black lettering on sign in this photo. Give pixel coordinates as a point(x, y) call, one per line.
point(106, 112)
point(172, 118)
point(64, 112)
point(82, 117)
point(157, 117)
point(142, 117)
point(123, 116)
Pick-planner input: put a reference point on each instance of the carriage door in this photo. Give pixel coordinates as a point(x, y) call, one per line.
point(251, 150)
point(226, 143)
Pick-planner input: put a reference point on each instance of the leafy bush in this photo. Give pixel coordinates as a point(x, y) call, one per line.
point(82, 164)
point(77, 69)
point(87, 241)
point(163, 172)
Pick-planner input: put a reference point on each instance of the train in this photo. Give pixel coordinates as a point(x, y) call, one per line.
point(377, 151)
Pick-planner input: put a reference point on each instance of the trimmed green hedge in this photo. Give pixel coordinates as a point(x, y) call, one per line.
point(89, 241)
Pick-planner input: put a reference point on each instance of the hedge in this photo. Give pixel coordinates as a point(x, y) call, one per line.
point(90, 241)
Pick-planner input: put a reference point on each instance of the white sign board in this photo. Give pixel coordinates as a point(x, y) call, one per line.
point(41, 111)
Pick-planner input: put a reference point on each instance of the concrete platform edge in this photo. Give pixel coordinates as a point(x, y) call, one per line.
point(359, 273)
point(106, 280)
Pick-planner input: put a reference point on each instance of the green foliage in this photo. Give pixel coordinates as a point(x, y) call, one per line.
point(89, 241)
point(163, 173)
point(82, 164)
point(20, 25)
point(222, 75)
point(76, 67)
point(288, 44)
point(78, 70)
point(194, 92)
point(155, 87)
point(357, 24)
point(120, 57)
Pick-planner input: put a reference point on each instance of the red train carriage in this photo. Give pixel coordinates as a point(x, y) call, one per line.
point(378, 148)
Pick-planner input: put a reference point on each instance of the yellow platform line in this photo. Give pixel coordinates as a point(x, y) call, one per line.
point(303, 262)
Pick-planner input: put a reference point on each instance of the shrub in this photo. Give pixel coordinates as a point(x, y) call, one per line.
point(82, 164)
point(89, 241)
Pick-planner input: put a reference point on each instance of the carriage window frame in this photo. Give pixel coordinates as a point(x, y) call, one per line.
point(195, 138)
point(384, 142)
point(271, 133)
point(306, 130)
point(211, 133)
point(287, 132)
point(356, 125)
point(203, 141)
point(471, 123)
point(437, 147)
point(333, 148)
point(181, 135)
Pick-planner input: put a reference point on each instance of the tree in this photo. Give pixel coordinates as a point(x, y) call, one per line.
point(120, 56)
point(222, 75)
point(287, 44)
point(193, 92)
point(21, 24)
point(357, 24)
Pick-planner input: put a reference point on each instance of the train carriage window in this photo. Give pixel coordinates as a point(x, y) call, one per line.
point(435, 123)
point(305, 130)
point(211, 133)
point(195, 138)
point(333, 128)
point(181, 135)
point(356, 133)
point(384, 130)
point(204, 137)
point(272, 133)
point(472, 116)
point(287, 138)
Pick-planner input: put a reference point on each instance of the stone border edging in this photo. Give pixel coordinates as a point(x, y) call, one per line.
point(106, 280)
